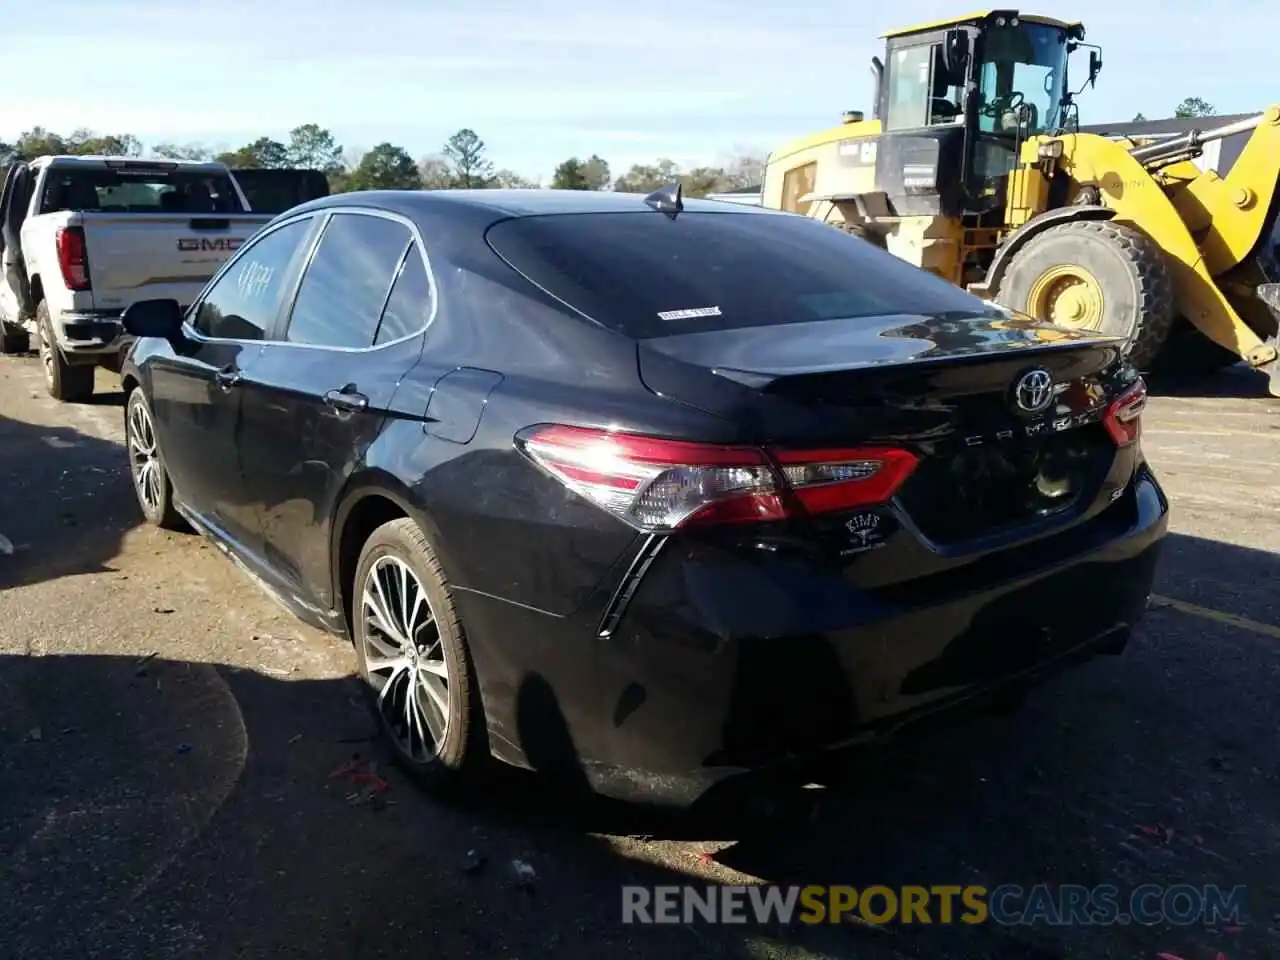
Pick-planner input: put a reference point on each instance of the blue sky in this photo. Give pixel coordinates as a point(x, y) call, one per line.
point(693, 80)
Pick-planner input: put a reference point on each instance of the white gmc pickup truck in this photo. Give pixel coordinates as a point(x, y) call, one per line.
point(81, 238)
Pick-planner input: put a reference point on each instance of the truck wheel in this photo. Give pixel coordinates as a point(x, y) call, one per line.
point(13, 341)
point(1095, 275)
point(71, 384)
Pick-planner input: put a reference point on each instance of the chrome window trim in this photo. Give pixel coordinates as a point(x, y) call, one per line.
point(325, 214)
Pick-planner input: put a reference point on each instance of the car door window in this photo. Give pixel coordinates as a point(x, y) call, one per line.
point(347, 282)
point(409, 306)
point(244, 302)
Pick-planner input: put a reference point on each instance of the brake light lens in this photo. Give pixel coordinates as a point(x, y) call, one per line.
point(73, 259)
point(1123, 418)
point(659, 484)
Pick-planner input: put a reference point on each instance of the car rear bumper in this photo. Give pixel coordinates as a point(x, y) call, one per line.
point(719, 668)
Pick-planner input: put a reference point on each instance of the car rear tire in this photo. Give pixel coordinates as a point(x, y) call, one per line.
point(413, 657)
point(151, 484)
point(65, 382)
point(1095, 275)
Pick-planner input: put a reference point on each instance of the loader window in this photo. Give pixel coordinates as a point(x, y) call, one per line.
point(1023, 68)
point(796, 184)
point(920, 92)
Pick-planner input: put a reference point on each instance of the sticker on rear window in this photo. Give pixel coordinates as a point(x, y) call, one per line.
point(689, 314)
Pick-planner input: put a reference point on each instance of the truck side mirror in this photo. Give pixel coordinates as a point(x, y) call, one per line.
point(1095, 66)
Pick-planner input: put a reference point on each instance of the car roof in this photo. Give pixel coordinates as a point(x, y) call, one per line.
point(506, 203)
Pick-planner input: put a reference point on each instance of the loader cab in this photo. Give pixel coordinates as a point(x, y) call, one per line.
point(956, 99)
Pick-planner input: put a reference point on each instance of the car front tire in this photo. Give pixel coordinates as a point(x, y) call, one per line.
point(413, 658)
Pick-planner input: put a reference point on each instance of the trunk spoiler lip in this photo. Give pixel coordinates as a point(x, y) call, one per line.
point(992, 352)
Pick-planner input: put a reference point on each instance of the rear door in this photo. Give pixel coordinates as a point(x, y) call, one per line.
point(195, 391)
point(317, 397)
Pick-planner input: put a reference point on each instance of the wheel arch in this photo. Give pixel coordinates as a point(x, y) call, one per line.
point(369, 499)
point(1037, 225)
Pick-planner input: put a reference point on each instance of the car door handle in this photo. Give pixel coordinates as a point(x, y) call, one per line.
point(228, 377)
point(347, 400)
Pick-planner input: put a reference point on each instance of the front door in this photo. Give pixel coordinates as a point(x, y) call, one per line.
point(315, 403)
point(195, 388)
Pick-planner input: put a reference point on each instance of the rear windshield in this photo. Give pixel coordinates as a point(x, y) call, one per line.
point(646, 275)
point(138, 189)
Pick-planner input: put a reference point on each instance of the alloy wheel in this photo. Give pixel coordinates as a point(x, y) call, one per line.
point(46, 353)
point(143, 457)
point(404, 658)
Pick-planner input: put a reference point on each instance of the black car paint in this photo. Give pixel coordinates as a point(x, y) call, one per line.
point(672, 660)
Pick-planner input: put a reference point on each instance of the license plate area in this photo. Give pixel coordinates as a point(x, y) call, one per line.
point(968, 492)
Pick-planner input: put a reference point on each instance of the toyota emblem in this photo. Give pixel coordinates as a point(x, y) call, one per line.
point(1034, 391)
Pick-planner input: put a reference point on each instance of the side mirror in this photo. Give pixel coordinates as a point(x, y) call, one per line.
point(955, 52)
point(153, 318)
point(1095, 66)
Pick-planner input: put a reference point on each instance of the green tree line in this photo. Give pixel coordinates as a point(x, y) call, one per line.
point(1190, 107)
point(463, 161)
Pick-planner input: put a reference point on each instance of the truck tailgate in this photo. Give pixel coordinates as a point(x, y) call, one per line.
point(143, 256)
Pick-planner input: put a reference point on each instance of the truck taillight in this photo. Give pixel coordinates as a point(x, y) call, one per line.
point(1124, 414)
point(73, 259)
point(660, 484)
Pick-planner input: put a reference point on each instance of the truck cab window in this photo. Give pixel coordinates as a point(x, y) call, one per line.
point(103, 189)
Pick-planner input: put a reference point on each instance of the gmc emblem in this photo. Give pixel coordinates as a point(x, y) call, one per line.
point(203, 244)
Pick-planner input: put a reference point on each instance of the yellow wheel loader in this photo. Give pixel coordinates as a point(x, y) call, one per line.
point(970, 169)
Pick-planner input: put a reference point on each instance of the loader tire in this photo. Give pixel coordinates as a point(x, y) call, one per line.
point(1095, 275)
point(863, 232)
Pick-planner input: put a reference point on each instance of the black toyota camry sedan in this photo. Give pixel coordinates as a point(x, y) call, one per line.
point(644, 490)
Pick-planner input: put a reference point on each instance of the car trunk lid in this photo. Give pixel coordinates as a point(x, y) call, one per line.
point(1000, 456)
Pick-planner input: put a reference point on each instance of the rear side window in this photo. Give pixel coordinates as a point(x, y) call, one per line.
point(347, 282)
point(409, 306)
point(646, 275)
point(137, 188)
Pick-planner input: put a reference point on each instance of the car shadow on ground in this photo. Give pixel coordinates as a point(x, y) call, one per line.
point(109, 398)
point(89, 483)
point(163, 808)
point(1238, 381)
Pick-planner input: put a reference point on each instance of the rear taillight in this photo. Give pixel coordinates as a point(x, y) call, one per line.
point(73, 259)
point(659, 484)
point(1124, 414)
